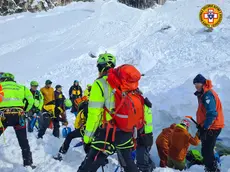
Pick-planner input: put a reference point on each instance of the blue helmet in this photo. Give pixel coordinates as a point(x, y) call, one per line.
point(76, 81)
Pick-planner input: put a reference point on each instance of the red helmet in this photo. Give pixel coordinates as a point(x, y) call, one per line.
point(186, 123)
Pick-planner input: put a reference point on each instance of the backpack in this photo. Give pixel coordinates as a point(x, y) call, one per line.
point(78, 101)
point(128, 115)
point(194, 157)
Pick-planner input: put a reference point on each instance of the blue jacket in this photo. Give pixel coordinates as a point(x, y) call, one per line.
point(209, 102)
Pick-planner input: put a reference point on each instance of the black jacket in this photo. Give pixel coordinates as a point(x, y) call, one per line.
point(75, 92)
point(59, 99)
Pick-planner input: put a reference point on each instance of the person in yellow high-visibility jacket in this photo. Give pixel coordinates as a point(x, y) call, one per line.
point(100, 96)
point(75, 91)
point(87, 90)
point(12, 108)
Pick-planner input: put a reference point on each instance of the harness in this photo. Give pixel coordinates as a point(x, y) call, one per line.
point(11, 111)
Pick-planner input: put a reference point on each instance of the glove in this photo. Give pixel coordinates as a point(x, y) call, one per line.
point(198, 134)
point(105, 162)
point(86, 147)
point(148, 139)
point(199, 127)
point(87, 139)
point(201, 133)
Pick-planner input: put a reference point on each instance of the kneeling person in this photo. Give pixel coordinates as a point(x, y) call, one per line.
point(78, 132)
point(179, 144)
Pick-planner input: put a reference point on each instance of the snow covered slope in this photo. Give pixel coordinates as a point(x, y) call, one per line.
point(166, 43)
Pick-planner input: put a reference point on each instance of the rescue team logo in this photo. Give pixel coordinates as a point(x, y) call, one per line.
point(211, 15)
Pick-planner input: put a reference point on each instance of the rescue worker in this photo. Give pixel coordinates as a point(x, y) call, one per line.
point(162, 143)
point(55, 112)
point(75, 92)
point(48, 92)
point(145, 141)
point(123, 143)
point(179, 143)
point(87, 90)
point(79, 128)
point(60, 112)
point(12, 113)
point(35, 111)
point(210, 118)
point(49, 100)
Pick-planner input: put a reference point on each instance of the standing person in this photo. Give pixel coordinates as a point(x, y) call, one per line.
point(12, 113)
point(48, 92)
point(75, 92)
point(162, 144)
point(55, 112)
point(210, 118)
point(87, 90)
point(102, 104)
point(37, 107)
point(60, 112)
point(49, 102)
point(179, 143)
point(145, 141)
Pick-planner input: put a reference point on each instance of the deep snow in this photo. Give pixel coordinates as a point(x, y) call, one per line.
point(55, 46)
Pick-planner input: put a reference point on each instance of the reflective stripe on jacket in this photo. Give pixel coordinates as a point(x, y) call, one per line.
point(101, 95)
point(15, 95)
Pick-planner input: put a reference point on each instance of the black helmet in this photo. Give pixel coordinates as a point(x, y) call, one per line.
point(58, 86)
point(48, 82)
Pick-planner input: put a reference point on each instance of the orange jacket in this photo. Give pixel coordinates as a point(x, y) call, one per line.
point(1, 93)
point(179, 143)
point(163, 139)
point(48, 94)
point(201, 112)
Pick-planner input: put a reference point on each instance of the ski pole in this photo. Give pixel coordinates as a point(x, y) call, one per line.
point(116, 170)
point(79, 144)
point(102, 169)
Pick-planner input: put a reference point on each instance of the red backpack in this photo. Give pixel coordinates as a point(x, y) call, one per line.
point(129, 102)
point(128, 115)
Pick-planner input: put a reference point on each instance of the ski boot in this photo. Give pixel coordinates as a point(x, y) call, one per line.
point(30, 166)
point(212, 170)
point(58, 157)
